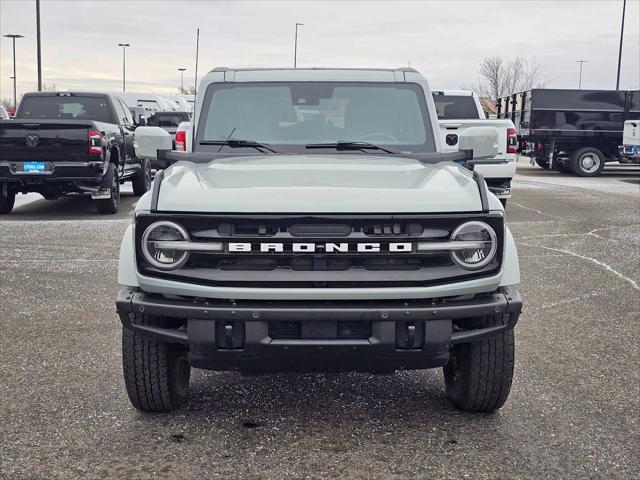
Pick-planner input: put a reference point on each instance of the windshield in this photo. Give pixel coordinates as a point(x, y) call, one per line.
point(167, 119)
point(66, 108)
point(291, 115)
point(456, 107)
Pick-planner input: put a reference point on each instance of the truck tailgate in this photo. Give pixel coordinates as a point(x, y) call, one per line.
point(44, 140)
point(451, 129)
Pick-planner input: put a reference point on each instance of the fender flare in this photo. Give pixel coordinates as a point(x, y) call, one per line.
point(127, 276)
point(510, 263)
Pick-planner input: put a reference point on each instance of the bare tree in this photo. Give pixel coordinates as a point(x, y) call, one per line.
point(499, 77)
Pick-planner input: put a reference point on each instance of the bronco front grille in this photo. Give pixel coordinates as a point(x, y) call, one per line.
point(337, 259)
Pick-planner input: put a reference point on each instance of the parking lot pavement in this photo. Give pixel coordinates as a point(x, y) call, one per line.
point(573, 411)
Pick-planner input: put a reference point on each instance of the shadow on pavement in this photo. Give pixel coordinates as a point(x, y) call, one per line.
point(69, 207)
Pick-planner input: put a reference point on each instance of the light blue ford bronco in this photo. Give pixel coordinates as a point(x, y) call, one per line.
point(315, 224)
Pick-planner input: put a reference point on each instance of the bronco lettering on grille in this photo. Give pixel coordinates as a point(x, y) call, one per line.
point(329, 247)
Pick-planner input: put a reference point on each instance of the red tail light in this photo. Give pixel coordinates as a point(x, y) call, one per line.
point(512, 141)
point(181, 140)
point(94, 139)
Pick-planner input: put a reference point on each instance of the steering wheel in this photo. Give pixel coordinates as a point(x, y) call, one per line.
point(365, 138)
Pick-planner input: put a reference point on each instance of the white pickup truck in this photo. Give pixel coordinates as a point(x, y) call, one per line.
point(461, 109)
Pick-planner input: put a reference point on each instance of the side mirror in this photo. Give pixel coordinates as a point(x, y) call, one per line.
point(148, 140)
point(142, 121)
point(484, 141)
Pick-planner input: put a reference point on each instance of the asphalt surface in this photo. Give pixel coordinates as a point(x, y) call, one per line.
point(573, 410)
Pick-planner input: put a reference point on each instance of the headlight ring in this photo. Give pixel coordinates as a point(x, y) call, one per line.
point(164, 231)
point(475, 259)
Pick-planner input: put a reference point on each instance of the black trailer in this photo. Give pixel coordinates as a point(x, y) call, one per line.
point(574, 131)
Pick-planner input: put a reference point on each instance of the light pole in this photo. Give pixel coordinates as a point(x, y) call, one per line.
point(13, 37)
point(624, 7)
point(295, 47)
point(580, 79)
point(38, 45)
point(124, 59)
point(182, 70)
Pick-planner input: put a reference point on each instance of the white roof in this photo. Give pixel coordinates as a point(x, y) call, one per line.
point(458, 93)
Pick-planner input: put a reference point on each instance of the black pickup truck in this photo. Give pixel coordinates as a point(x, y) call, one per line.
point(70, 142)
point(574, 131)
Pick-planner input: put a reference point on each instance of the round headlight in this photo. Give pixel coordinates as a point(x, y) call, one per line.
point(164, 258)
point(481, 234)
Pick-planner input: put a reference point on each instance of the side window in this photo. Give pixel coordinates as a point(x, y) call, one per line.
point(127, 113)
point(118, 108)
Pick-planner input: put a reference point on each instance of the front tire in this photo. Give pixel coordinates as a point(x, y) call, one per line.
point(7, 199)
point(156, 374)
point(141, 181)
point(587, 162)
point(479, 374)
point(110, 205)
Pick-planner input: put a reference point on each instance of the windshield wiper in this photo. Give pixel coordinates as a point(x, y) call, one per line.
point(350, 146)
point(237, 143)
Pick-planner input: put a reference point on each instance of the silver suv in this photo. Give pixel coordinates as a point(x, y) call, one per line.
point(316, 225)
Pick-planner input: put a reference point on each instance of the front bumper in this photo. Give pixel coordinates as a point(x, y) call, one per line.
point(240, 335)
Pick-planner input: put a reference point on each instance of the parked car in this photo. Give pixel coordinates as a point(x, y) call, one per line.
point(70, 142)
point(4, 115)
point(317, 224)
point(461, 109)
point(630, 148)
point(178, 102)
point(574, 131)
point(169, 121)
point(139, 115)
point(151, 102)
point(190, 99)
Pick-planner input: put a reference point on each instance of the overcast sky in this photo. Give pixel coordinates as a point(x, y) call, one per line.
point(444, 40)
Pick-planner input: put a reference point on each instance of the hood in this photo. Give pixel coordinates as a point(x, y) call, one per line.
point(340, 183)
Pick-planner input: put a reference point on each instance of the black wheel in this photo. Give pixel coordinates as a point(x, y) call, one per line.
point(156, 374)
point(110, 205)
point(141, 181)
point(478, 375)
point(7, 199)
point(542, 162)
point(587, 162)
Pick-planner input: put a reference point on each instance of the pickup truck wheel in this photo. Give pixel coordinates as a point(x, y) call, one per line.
point(110, 205)
point(7, 199)
point(156, 374)
point(142, 179)
point(478, 375)
point(587, 162)
point(542, 162)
